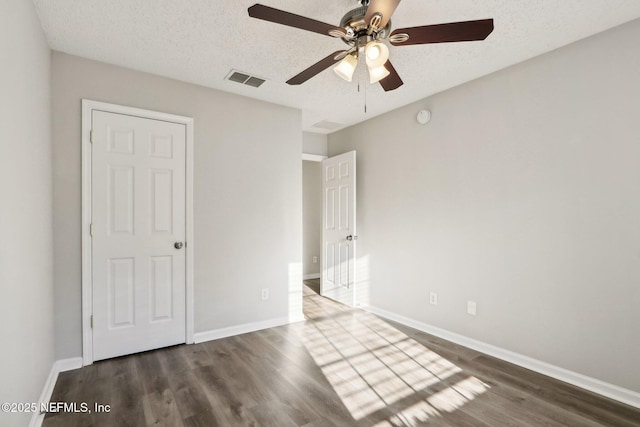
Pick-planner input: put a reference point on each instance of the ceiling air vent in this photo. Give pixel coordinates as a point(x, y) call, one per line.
point(244, 78)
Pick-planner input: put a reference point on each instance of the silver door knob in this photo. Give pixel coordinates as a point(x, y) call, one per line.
point(351, 237)
point(178, 245)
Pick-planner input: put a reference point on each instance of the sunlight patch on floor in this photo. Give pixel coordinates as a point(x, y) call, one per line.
point(371, 366)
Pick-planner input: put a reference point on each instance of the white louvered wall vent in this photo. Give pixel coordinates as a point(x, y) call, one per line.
point(244, 78)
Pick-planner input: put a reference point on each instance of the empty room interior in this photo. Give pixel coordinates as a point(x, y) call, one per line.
point(374, 213)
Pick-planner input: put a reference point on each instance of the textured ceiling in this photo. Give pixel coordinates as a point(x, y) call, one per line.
point(200, 41)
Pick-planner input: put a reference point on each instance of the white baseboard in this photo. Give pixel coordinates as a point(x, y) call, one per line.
point(57, 367)
point(215, 334)
point(311, 276)
point(65, 365)
point(611, 391)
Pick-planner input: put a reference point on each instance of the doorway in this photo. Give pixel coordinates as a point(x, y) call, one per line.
point(311, 220)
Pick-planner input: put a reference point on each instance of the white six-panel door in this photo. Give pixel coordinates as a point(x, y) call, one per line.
point(339, 228)
point(138, 227)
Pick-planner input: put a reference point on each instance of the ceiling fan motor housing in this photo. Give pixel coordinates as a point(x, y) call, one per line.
point(358, 29)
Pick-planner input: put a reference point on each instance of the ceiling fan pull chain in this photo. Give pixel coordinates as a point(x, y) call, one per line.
point(365, 98)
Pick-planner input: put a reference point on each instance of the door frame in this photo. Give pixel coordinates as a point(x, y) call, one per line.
point(88, 106)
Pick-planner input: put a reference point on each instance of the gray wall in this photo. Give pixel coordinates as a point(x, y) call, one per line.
point(521, 195)
point(314, 143)
point(26, 285)
point(247, 191)
point(311, 216)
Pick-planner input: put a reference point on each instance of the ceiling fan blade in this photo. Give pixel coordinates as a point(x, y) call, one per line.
point(278, 16)
point(384, 7)
point(316, 68)
point(393, 80)
point(444, 33)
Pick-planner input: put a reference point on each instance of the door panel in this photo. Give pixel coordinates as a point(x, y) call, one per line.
point(339, 221)
point(161, 201)
point(329, 276)
point(138, 213)
point(345, 262)
point(121, 200)
point(161, 286)
point(330, 214)
point(121, 298)
point(343, 208)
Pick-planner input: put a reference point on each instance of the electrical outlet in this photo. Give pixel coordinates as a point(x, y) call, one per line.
point(315, 259)
point(471, 308)
point(265, 294)
point(433, 298)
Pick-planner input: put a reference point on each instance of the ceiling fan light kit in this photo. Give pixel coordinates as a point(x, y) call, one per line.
point(368, 28)
point(347, 67)
point(377, 54)
point(377, 73)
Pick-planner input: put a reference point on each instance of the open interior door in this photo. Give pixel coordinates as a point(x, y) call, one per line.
point(339, 228)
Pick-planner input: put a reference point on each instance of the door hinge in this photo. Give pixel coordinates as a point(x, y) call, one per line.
point(91, 229)
point(91, 136)
point(92, 321)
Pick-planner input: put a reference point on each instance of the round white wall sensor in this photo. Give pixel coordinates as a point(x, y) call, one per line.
point(424, 116)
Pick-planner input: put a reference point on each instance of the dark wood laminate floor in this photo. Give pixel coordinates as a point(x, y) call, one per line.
point(342, 367)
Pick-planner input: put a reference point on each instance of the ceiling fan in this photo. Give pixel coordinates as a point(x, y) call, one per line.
point(366, 29)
